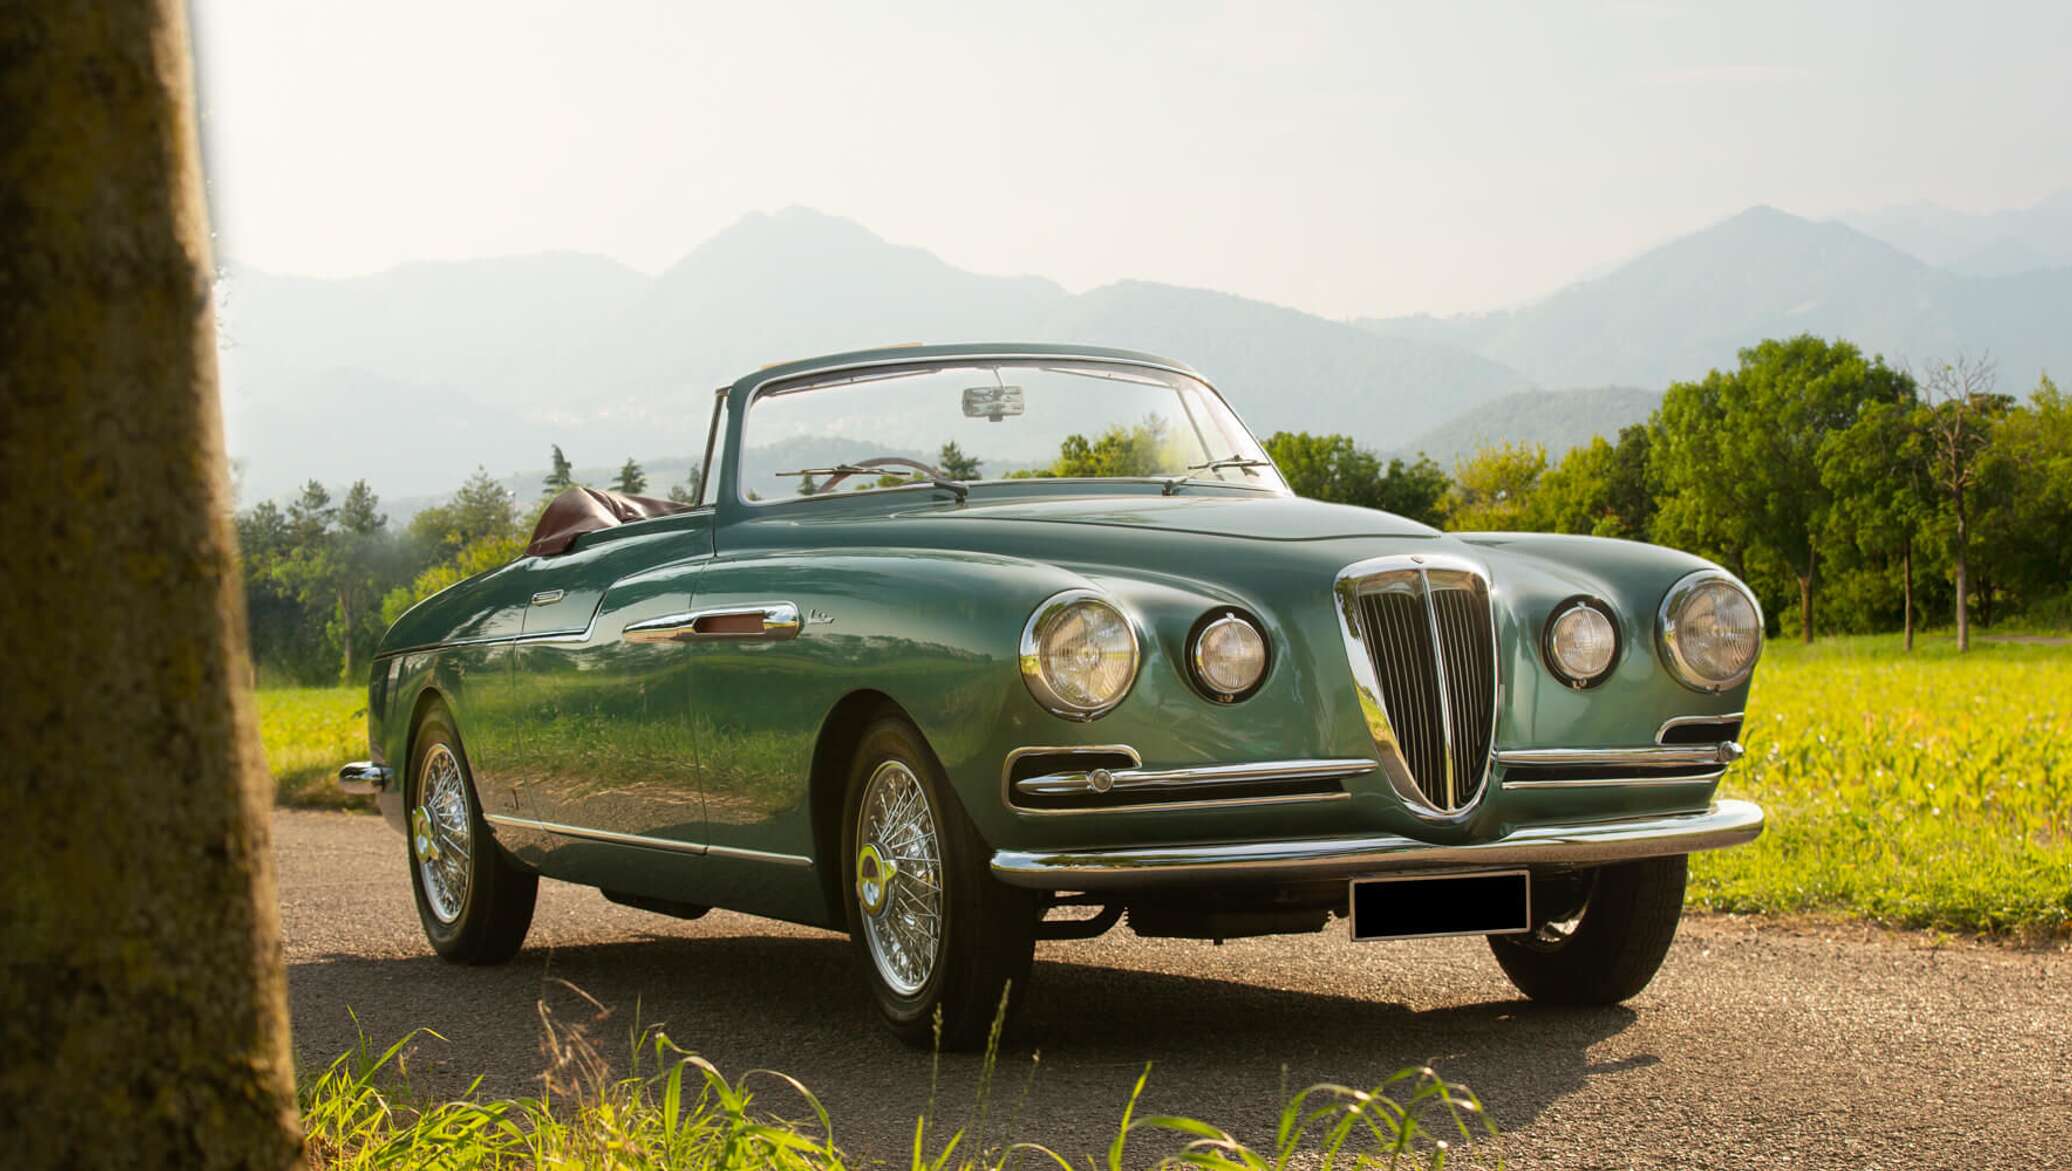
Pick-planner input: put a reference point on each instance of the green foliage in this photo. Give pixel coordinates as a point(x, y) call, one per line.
point(677, 1110)
point(955, 465)
point(1333, 468)
point(630, 481)
point(1738, 454)
point(478, 556)
point(561, 475)
point(1921, 790)
point(1120, 451)
point(1494, 489)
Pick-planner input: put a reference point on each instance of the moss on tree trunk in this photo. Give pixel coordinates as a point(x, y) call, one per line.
point(142, 1008)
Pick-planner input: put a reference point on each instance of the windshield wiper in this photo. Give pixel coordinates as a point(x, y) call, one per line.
point(830, 470)
point(1244, 462)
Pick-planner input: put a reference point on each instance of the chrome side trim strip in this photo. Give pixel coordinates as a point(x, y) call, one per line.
point(1178, 779)
point(1619, 782)
point(560, 829)
point(747, 855)
point(1652, 756)
point(1680, 721)
point(595, 835)
point(1724, 824)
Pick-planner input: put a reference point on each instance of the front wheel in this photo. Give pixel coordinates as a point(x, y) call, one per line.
point(934, 931)
point(1611, 930)
point(475, 904)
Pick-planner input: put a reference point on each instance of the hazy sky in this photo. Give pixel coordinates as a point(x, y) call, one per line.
point(1346, 159)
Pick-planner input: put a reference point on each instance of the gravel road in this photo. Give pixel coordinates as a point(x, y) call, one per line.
point(1758, 1045)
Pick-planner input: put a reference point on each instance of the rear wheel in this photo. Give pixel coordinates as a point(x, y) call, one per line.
point(475, 904)
point(934, 931)
point(1610, 930)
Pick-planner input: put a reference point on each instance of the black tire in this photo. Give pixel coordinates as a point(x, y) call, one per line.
point(495, 909)
point(987, 935)
point(1628, 920)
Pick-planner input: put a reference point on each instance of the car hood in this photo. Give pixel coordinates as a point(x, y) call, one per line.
point(1266, 518)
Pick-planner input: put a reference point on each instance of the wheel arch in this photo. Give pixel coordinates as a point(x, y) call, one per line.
point(840, 732)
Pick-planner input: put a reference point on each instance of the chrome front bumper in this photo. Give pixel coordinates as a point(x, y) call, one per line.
point(1726, 823)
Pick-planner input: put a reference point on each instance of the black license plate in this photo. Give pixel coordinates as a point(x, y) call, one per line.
point(1420, 906)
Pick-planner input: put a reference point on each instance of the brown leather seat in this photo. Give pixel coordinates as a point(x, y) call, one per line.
point(587, 510)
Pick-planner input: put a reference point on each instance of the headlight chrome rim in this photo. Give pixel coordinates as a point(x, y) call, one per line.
point(1673, 650)
point(1197, 641)
point(1554, 664)
point(1039, 683)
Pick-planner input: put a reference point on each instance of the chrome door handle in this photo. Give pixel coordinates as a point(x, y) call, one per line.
point(764, 621)
point(548, 597)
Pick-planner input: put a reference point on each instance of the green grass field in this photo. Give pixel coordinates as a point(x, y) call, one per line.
point(308, 732)
point(1923, 790)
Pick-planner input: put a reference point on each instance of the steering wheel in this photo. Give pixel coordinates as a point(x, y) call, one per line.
point(883, 461)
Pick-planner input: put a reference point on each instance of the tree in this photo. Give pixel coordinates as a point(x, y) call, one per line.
point(1876, 470)
point(1120, 451)
point(1962, 409)
point(143, 1009)
point(682, 494)
point(631, 481)
point(481, 508)
point(1333, 468)
point(561, 476)
point(954, 464)
point(1493, 489)
point(2029, 512)
point(1738, 453)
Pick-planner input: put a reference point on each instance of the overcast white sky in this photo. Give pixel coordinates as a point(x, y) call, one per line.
point(1348, 159)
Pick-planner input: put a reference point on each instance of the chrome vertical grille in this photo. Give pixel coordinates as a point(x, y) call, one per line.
point(1421, 639)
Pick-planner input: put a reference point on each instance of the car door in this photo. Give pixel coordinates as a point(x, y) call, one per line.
point(607, 745)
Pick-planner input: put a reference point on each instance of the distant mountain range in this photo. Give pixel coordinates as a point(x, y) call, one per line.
point(1686, 307)
point(412, 377)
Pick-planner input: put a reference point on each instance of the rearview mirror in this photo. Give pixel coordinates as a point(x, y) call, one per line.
point(992, 403)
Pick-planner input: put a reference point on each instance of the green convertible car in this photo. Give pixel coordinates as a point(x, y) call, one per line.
point(966, 647)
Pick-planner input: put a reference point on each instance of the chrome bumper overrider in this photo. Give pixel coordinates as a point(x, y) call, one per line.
point(1726, 823)
point(364, 777)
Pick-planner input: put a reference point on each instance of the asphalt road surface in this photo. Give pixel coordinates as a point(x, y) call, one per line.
point(1757, 1045)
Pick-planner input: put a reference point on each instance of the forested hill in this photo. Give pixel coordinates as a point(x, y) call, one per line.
point(1555, 419)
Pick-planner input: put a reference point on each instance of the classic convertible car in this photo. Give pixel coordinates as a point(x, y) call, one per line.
point(966, 647)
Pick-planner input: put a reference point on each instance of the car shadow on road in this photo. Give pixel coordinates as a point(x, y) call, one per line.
point(1222, 1050)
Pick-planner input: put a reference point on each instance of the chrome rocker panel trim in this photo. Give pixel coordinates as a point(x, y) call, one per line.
point(1726, 823)
point(364, 778)
point(672, 845)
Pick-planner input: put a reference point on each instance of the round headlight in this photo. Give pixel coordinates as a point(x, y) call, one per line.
point(1712, 630)
point(1582, 643)
point(1079, 655)
point(1229, 657)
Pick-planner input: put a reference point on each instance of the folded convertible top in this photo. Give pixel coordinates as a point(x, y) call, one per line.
point(587, 510)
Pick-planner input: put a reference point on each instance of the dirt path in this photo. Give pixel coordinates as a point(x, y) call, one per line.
point(1756, 1046)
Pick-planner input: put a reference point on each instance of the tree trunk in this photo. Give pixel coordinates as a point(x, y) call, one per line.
point(345, 615)
point(1963, 585)
point(1906, 558)
point(142, 1010)
point(1806, 600)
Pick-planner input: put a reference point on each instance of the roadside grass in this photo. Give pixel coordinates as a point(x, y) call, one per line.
point(308, 732)
point(675, 1110)
point(1918, 790)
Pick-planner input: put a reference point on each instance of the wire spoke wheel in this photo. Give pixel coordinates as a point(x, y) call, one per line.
point(441, 834)
point(899, 878)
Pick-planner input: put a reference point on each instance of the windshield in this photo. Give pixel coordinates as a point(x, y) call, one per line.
point(977, 421)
